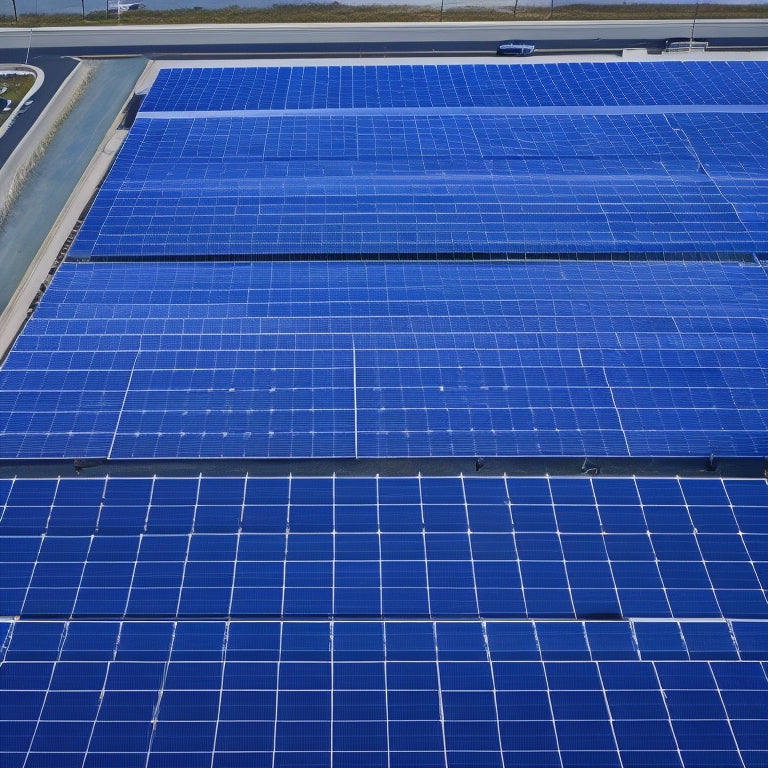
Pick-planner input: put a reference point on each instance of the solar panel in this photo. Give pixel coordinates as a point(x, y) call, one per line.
point(367, 359)
point(410, 184)
point(383, 621)
point(275, 88)
point(521, 548)
point(414, 160)
point(316, 693)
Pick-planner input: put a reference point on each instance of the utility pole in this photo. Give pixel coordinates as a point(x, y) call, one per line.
point(695, 16)
point(15, 12)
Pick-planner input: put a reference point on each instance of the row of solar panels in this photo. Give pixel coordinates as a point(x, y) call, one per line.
point(423, 85)
point(429, 373)
point(379, 694)
point(437, 575)
point(471, 184)
point(582, 505)
point(417, 142)
point(137, 640)
point(516, 547)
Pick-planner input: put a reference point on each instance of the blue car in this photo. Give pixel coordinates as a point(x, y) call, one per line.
point(515, 48)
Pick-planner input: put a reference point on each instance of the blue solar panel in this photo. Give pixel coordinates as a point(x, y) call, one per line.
point(411, 184)
point(350, 359)
point(629, 157)
point(377, 692)
point(292, 548)
point(188, 89)
point(382, 621)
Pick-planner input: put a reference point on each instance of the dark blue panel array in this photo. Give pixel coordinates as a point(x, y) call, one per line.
point(386, 548)
point(380, 694)
point(382, 621)
point(450, 85)
point(409, 184)
point(138, 675)
point(300, 359)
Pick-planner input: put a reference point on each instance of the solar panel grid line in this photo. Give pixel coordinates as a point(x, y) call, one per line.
point(185, 563)
point(380, 552)
point(555, 733)
point(670, 720)
point(611, 722)
point(81, 578)
point(475, 591)
point(31, 576)
point(222, 680)
point(158, 700)
point(277, 697)
point(701, 554)
point(614, 585)
point(354, 397)
point(426, 561)
point(648, 528)
point(102, 695)
point(45, 698)
point(237, 548)
point(573, 609)
point(388, 740)
point(334, 554)
point(440, 696)
point(736, 740)
point(285, 548)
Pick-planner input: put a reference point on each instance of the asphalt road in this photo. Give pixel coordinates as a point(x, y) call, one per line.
point(55, 69)
point(370, 39)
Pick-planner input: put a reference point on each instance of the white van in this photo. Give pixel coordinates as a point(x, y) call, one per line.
point(515, 48)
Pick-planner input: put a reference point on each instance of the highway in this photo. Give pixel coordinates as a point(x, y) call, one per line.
point(369, 39)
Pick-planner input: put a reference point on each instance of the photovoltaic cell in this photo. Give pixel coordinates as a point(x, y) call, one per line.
point(305, 359)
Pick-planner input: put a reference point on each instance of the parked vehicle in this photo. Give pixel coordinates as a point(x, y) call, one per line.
point(122, 7)
point(515, 48)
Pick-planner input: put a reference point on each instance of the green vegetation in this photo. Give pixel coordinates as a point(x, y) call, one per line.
point(18, 86)
point(337, 13)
